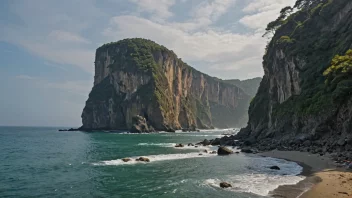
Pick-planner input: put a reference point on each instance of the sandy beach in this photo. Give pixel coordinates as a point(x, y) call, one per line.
point(323, 180)
point(333, 183)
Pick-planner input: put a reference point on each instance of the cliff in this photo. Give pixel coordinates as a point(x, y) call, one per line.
point(137, 77)
point(301, 104)
point(250, 86)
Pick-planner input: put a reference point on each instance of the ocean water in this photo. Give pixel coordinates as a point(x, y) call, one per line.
point(42, 162)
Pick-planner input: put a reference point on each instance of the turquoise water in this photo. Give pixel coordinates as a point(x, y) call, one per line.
point(42, 162)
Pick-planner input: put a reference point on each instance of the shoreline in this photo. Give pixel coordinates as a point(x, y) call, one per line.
point(323, 178)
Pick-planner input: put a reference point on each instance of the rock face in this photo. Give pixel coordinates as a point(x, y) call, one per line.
point(250, 86)
point(296, 107)
point(137, 77)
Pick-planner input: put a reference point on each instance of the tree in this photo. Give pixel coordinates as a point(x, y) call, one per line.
point(274, 25)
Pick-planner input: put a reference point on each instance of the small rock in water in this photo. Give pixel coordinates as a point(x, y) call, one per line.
point(275, 168)
point(224, 151)
point(200, 154)
point(237, 152)
point(205, 151)
point(213, 152)
point(190, 144)
point(246, 150)
point(225, 185)
point(195, 146)
point(179, 145)
point(126, 159)
point(143, 159)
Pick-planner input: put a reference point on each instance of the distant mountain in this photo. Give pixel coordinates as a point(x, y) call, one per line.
point(250, 86)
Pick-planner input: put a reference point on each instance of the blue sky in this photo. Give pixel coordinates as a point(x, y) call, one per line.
point(47, 46)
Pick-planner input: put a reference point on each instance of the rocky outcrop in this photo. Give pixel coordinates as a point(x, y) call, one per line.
point(137, 77)
point(295, 107)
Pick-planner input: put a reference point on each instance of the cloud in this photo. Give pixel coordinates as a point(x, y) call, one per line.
point(25, 77)
point(216, 49)
point(160, 8)
point(63, 36)
point(261, 12)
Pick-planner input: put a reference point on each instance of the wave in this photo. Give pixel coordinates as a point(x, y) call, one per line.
point(263, 180)
point(186, 147)
point(153, 158)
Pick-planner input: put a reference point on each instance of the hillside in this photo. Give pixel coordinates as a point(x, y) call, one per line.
point(304, 100)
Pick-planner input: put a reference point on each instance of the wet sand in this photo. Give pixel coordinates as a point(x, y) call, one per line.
point(313, 165)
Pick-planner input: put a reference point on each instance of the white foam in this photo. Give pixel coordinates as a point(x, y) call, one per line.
point(262, 180)
point(158, 144)
point(185, 147)
point(153, 158)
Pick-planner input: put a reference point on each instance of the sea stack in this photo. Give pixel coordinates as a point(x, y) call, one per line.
point(138, 77)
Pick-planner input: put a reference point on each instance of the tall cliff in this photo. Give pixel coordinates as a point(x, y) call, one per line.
point(298, 106)
point(139, 77)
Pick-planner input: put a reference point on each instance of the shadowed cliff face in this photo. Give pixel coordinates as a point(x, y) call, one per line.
point(138, 77)
point(294, 103)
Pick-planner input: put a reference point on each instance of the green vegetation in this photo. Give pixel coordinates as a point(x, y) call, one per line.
point(285, 39)
point(341, 67)
point(314, 53)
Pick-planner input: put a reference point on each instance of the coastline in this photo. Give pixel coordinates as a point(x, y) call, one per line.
point(323, 178)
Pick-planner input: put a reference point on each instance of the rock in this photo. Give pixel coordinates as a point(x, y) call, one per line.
point(170, 130)
point(224, 151)
point(190, 144)
point(246, 150)
point(200, 154)
point(143, 159)
point(307, 143)
point(206, 142)
point(195, 146)
point(179, 145)
point(275, 168)
point(126, 159)
point(139, 125)
point(184, 130)
point(216, 141)
point(213, 152)
point(237, 152)
point(205, 151)
point(225, 185)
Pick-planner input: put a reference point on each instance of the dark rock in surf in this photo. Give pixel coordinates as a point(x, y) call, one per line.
point(224, 151)
point(225, 185)
point(275, 168)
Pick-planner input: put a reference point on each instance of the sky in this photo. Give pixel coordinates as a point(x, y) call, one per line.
point(47, 47)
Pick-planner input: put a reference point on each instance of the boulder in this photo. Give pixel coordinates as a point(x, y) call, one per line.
point(246, 150)
point(190, 144)
point(225, 185)
point(275, 168)
point(179, 145)
point(126, 159)
point(213, 152)
point(216, 141)
point(205, 142)
point(143, 159)
point(205, 151)
point(224, 151)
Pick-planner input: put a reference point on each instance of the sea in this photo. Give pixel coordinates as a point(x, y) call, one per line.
point(43, 162)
